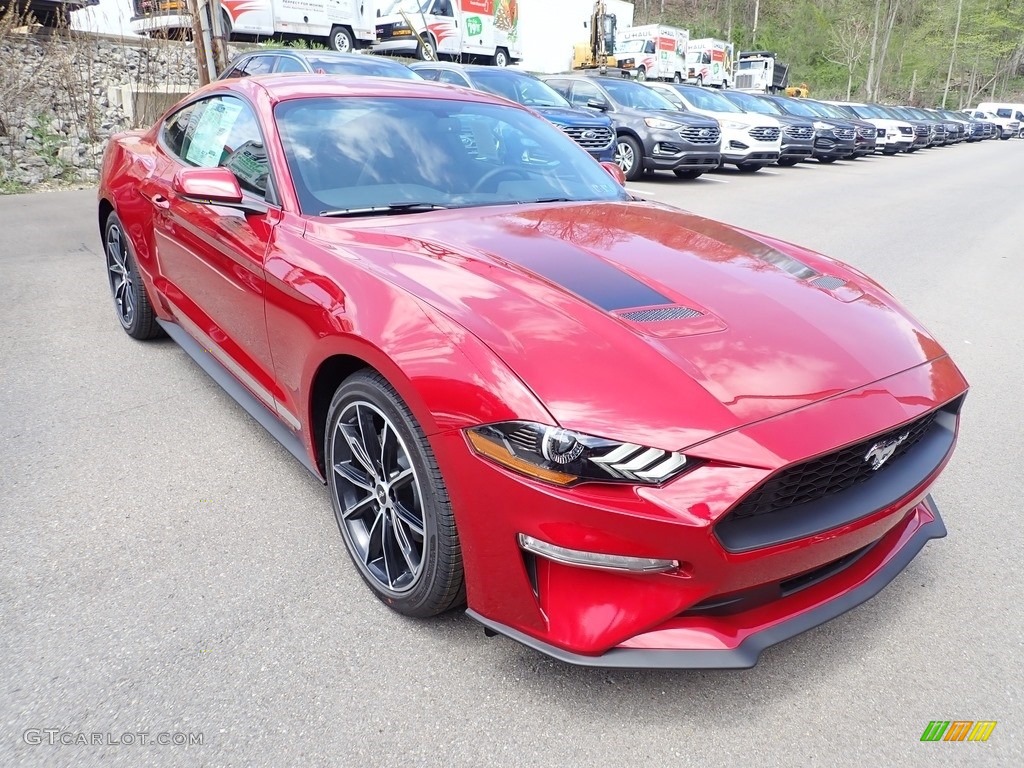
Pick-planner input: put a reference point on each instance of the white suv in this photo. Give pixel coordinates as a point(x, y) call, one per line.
point(1008, 126)
point(750, 140)
point(892, 135)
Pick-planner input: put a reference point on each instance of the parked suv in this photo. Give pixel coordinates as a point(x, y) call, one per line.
point(750, 141)
point(1008, 127)
point(865, 139)
point(891, 135)
point(834, 139)
point(591, 130)
point(650, 133)
point(797, 132)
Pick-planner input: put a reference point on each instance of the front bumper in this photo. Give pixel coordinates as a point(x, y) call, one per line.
point(737, 587)
point(736, 642)
point(397, 46)
point(829, 146)
point(667, 151)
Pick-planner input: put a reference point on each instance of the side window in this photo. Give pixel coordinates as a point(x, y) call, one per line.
point(583, 93)
point(443, 8)
point(428, 73)
point(288, 64)
point(1003, 113)
point(454, 78)
point(649, 47)
point(258, 65)
point(221, 131)
point(561, 86)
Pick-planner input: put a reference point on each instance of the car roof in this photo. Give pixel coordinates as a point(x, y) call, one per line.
point(285, 87)
point(304, 52)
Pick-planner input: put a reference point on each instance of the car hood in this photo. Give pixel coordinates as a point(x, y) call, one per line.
point(640, 322)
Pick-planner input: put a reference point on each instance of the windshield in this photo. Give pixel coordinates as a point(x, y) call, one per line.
point(630, 94)
point(409, 6)
point(379, 152)
point(746, 64)
point(630, 46)
point(801, 108)
point(373, 66)
point(522, 89)
point(822, 110)
point(865, 111)
point(751, 103)
point(709, 100)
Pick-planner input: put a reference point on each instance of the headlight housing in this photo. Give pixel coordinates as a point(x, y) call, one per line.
point(820, 126)
point(732, 125)
point(663, 125)
point(564, 457)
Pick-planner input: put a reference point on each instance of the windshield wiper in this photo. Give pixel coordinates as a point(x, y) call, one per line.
point(550, 200)
point(385, 210)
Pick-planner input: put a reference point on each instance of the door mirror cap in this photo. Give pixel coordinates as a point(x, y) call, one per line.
point(597, 104)
point(615, 172)
point(214, 186)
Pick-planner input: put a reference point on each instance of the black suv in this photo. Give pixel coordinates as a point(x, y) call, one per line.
point(833, 138)
point(650, 133)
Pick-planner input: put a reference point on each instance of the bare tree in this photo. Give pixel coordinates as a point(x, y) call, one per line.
point(848, 40)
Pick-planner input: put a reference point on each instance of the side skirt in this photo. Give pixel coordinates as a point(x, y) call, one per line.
point(267, 419)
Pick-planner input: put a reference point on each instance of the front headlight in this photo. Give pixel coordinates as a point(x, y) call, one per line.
point(732, 125)
point(820, 126)
point(564, 457)
point(662, 125)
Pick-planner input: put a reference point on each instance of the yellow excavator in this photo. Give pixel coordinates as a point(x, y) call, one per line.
point(801, 91)
point(599, 52)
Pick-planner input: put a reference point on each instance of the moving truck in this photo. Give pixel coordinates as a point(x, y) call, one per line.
point(709, 62)
point(653, 52)
point(341, 24)
point(428, 29)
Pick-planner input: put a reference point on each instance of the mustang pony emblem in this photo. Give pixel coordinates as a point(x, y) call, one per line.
point(882, 451)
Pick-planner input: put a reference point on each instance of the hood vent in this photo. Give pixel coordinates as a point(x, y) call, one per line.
point(660, 314)
point(828, 282)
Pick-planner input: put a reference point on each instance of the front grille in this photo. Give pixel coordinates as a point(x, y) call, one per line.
point(660, 314)
point(866, 133)
point(744, 81)
point(698, 135)
point(906, 130)
point(846, 134)
point(590, 137)
point(921, 130)
point(829, 474)
point(800, 131)
point(763, 133)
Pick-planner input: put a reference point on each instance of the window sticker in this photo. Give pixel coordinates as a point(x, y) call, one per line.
point(213, 128)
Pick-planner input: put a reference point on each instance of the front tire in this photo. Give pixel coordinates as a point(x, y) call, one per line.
point(688, 173)
point(641, 75)
point(501, 58)
point(390, 499)
point(134, 310)
point(629, 157)
point(426, 50)
point(749, 167)
point(788, 162)
point(827, 160)
point(341, 40)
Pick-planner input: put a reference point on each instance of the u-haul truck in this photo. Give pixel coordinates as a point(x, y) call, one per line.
point(653, 52)
point(709, 62)
point(343, 24)
point(471, 28)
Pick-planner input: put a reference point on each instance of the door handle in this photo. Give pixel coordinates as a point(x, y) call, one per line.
point(160, 201)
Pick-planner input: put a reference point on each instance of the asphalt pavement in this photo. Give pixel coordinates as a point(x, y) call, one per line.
point(166, 567)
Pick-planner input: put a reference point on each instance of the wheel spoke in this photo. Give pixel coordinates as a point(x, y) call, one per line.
point(352, 475)
point(404, 545)
point(384, 528)
point(355, 445)
point(378, 523)
point(401, 479)
point(408, 518)
point(358, 507)
point(370, 438)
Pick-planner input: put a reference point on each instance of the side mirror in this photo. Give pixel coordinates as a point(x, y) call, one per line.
point(615, 172)
point(597, 104)
point(213, 186)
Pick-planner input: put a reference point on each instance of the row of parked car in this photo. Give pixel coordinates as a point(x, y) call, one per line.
point(686, 129)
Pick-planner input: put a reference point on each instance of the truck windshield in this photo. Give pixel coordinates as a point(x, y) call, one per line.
point(630, 46)
point(745, 64)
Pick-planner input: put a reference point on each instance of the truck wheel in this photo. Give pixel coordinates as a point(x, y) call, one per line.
point(629, 157)
point(688, 173)
point(425, 49)
point(641, 74)
point(677, 78)
point(340, 40)
point(700, 81)
point(501, 58)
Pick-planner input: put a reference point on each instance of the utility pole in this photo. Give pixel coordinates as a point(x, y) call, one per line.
point(913, 87)
point(753, 33)
point(952, 55)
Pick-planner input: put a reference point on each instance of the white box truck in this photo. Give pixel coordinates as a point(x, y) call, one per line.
point(709, 62)
point(427, 29)
point(653, 52)
point(341, 24)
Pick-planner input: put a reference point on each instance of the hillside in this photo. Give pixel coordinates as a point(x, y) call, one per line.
point(884, 50)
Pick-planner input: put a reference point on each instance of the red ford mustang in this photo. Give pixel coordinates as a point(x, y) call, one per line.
point(622, 434)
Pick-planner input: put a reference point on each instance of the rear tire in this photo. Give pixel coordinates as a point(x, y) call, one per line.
point(131, 302)
point(688, 173)
point(390, 499)
point(341, 40)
